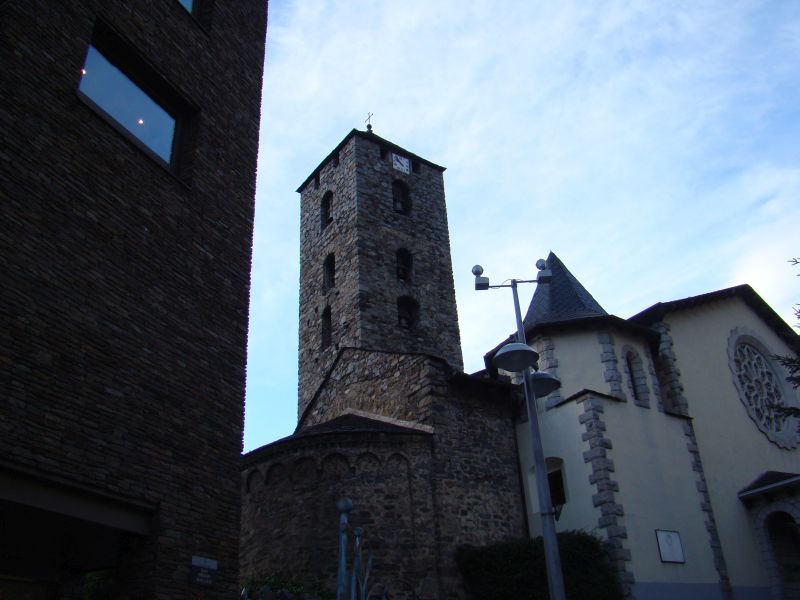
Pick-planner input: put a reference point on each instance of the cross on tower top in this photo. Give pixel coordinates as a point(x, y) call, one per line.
point(368, 121)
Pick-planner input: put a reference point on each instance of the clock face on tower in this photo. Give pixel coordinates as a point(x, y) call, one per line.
point(401, 163)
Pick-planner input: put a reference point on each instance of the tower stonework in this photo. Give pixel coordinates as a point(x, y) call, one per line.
point(375, 269)
point(387, 416)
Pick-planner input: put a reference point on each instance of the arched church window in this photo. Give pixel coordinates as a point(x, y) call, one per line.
point(325, 217)
point(325, 337)
point(405, 265)
point(328, 273)
point(407, 312)
point(637, 379)
point(254, 482)
point(761, 389)
point(401, 198)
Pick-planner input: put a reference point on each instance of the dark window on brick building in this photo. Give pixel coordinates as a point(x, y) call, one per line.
point(401, 198)
point(407, 312)
point(199, 9)
point(120, 86)
point(316, 181)
point(383, 152)
point(328, 273)
point(415, 166)
point(335, 160)
point(405, 265)
point(325, 326)
point(325, 204)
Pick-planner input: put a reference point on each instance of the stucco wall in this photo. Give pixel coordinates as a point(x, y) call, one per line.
point(561, 438)
point(734, 452)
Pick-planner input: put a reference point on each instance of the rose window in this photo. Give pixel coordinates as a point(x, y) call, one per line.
point(760, 392)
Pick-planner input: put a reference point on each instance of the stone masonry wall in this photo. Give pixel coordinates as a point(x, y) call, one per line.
point(464, 479)
point(389, 384)
point(289, 516)
point(124, 288)
point(364, 235)
point(423, 232)
point(316, 242)
point(477, 484)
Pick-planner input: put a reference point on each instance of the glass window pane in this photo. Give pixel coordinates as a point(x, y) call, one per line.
point(127, 104)
point(187, 4)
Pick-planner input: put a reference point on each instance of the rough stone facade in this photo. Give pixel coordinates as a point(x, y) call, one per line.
point(387, 417)
point(419, 491)
point(364, 232)
point(290, 521)
point(123, 296)
point(391, 384)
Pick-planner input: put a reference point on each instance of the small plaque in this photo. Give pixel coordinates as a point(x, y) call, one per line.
point(669, 546)
point(203, 571)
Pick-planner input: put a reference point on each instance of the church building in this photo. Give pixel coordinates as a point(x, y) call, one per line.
point(667, 438)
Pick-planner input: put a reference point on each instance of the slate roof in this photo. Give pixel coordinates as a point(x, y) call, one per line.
point(562, 299)
point(342, 425)
point(355, 424)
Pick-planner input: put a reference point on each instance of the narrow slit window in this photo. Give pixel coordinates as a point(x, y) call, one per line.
point(407, 312)
point(328, 273)
point(325, 217)
point(325, 326)
point(123, 101)
point(405, 265)
point(401, 198)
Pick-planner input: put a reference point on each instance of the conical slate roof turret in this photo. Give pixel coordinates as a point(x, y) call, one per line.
point(562, 299)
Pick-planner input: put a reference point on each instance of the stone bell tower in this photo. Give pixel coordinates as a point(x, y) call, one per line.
point(375, 269)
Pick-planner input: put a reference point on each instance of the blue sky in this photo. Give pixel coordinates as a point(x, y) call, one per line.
point(654, 146)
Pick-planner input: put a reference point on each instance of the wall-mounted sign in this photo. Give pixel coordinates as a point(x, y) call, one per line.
point(669, 546)
point(203, 570)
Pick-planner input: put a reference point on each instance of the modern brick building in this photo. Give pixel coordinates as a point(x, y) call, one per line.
point(128, 140)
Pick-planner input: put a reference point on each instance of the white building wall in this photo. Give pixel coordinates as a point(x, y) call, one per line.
point(658, 488)
point(733, 451)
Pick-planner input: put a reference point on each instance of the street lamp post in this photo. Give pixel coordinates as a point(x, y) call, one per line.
point(515, 357)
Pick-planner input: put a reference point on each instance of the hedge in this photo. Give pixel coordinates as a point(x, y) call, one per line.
point(515, 570)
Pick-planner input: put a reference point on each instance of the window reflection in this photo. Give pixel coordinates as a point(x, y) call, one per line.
point(187, 4)
point(122, 100)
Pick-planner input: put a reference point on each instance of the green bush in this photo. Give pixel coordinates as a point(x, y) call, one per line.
point(515, 570)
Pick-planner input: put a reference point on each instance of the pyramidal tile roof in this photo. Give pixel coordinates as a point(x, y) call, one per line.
point(562, 299)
